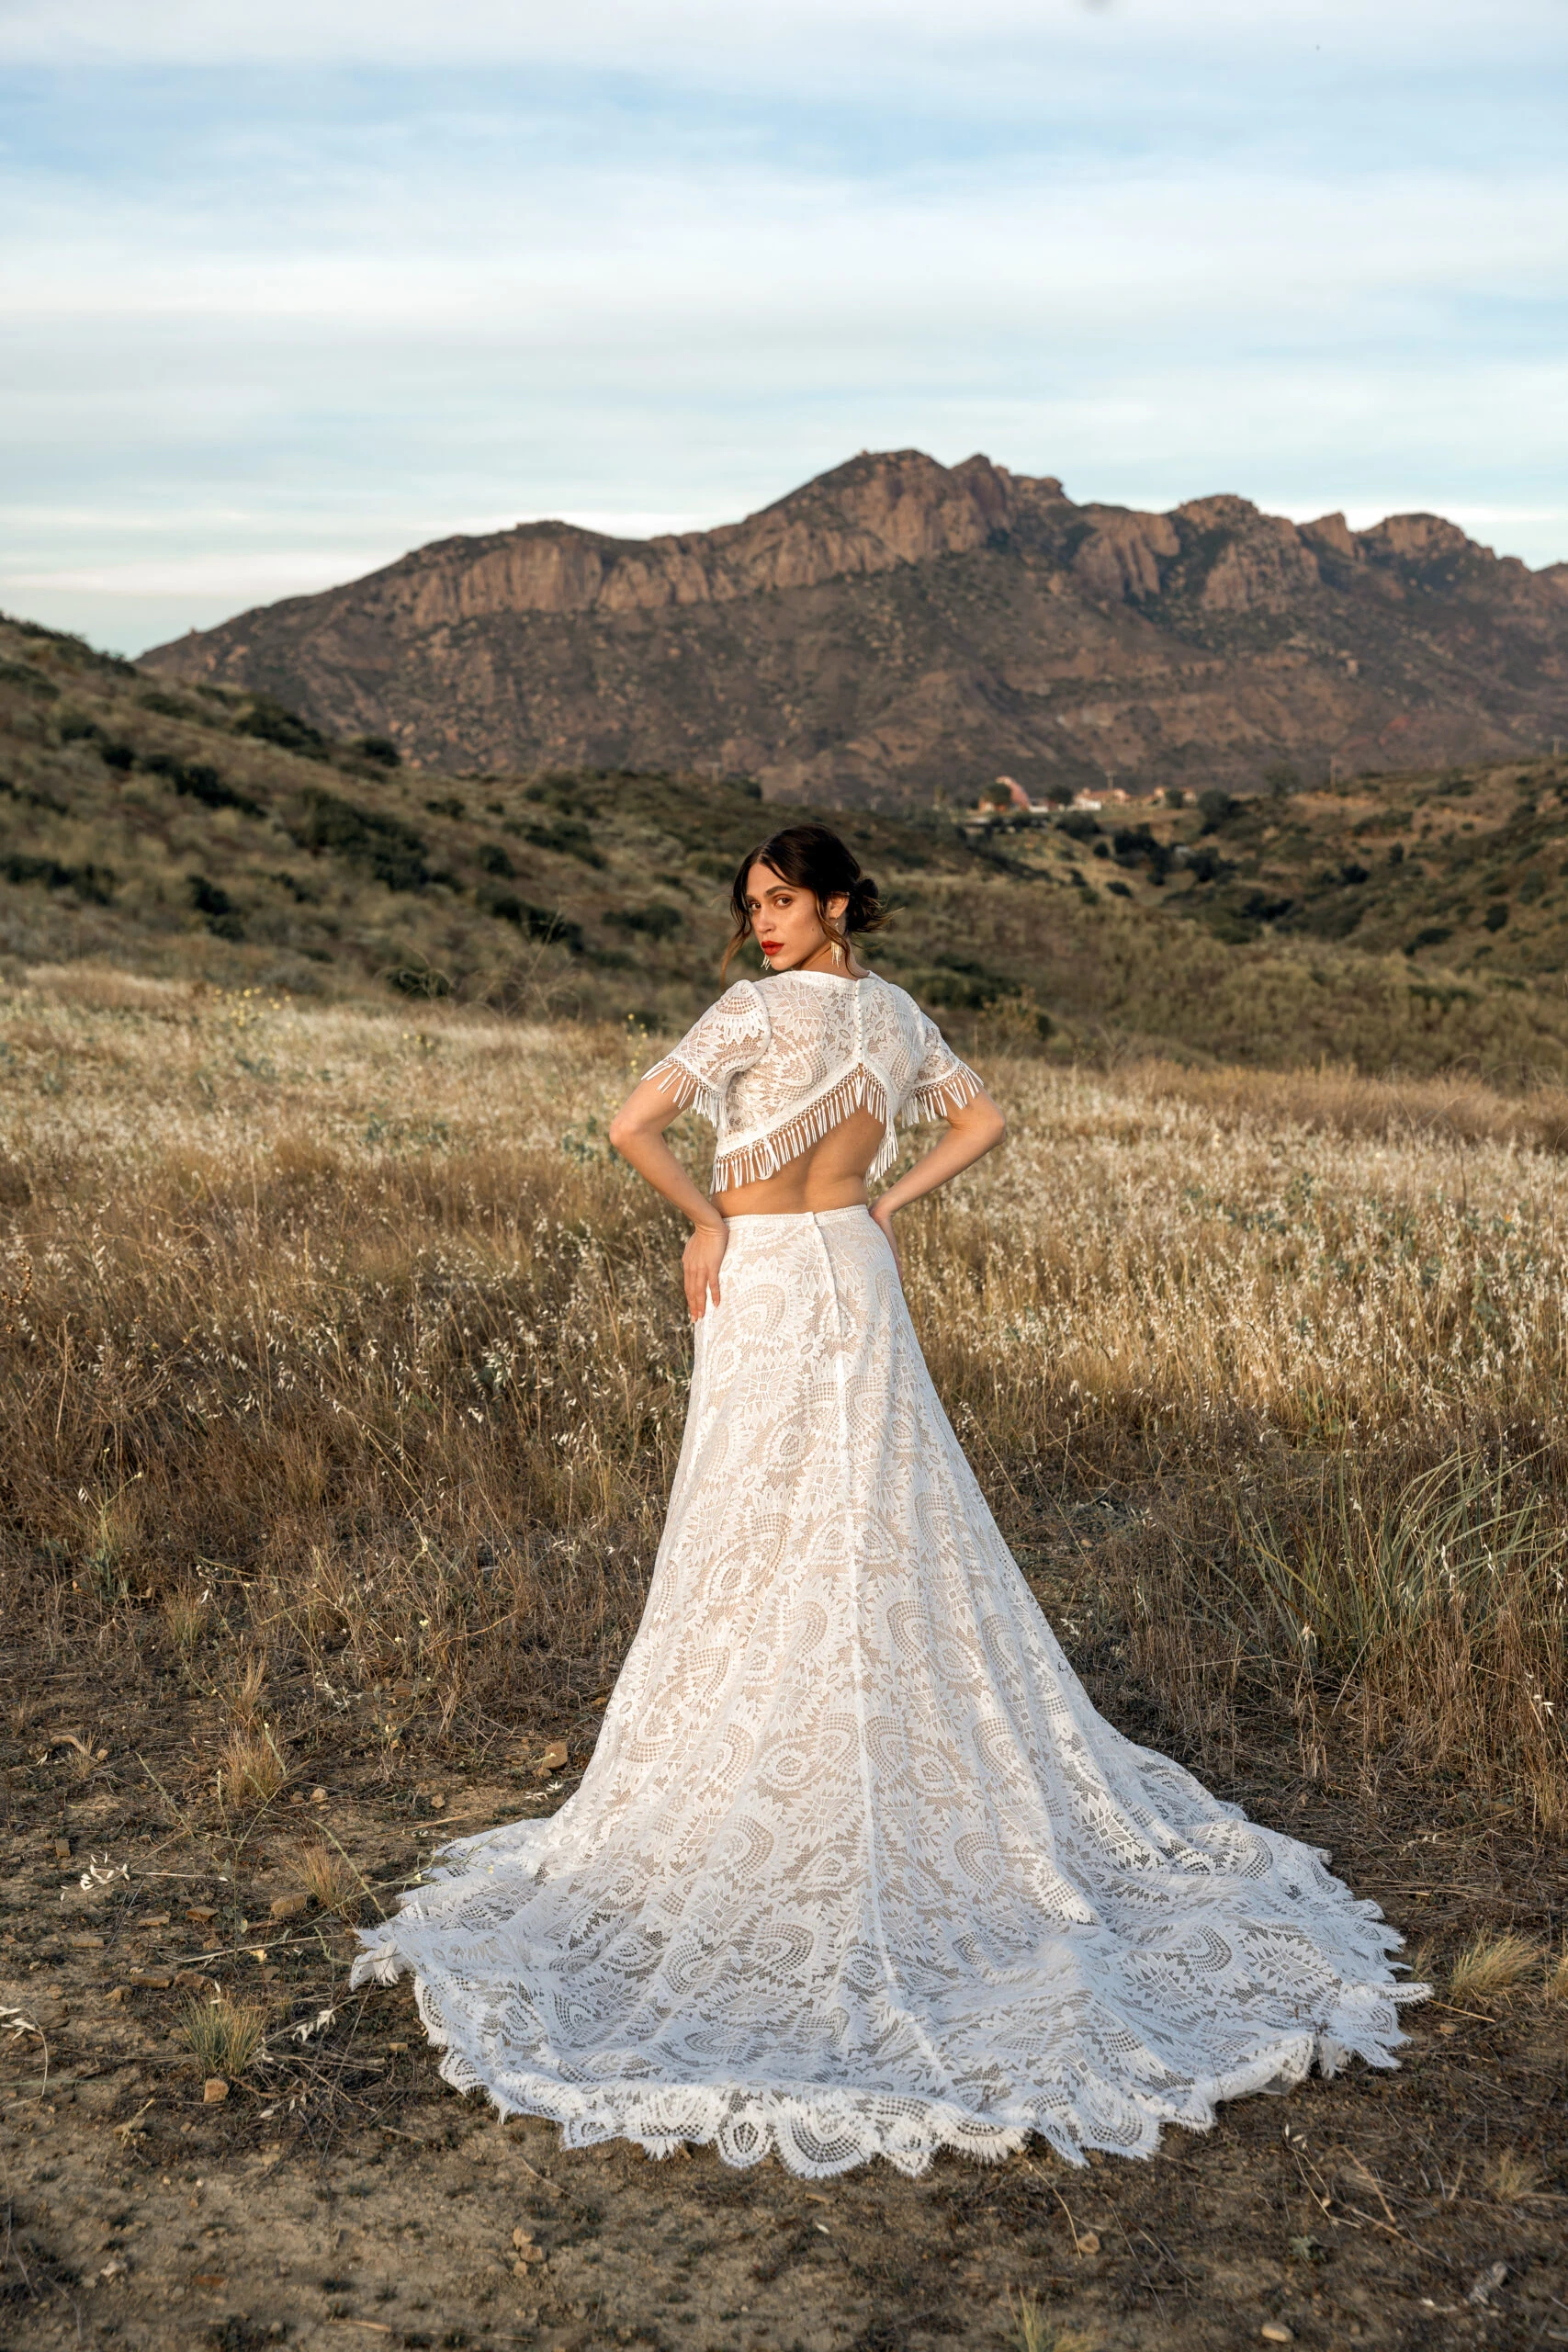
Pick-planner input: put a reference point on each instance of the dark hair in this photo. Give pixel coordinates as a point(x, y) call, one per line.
point(813, 858)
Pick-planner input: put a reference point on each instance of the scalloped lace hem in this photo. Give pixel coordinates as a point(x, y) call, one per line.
point(834, 2131)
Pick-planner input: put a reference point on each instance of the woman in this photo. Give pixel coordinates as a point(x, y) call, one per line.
point(856, 1868)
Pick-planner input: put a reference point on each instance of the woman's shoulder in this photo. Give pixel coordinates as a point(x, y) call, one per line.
point(741, 1005)
point(903, 1008)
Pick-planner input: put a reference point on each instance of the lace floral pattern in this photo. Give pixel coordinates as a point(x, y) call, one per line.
point(856, 1868)
point(776, 1063)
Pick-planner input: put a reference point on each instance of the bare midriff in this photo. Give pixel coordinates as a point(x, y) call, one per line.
point(831, 1175)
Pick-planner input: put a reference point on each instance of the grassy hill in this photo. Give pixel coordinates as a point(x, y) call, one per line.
point(1414, 921)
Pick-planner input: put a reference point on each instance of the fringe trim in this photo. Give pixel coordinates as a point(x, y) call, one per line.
point(950, 1093)
point(861, 1089)
point(673, 1076)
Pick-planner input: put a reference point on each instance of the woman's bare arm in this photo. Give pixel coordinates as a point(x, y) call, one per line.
point(973, 1128)
point(637, 1132)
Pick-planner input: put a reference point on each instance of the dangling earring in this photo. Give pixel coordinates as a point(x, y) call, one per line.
point(767, 963)
point(837, 950)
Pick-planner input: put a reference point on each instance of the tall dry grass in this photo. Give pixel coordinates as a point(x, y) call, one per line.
point(339, 1346)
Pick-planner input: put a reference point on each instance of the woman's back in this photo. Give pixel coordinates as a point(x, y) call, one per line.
point(805, 1076)
point(828, 1174)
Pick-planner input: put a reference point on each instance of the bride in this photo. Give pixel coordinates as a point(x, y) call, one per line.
point(856, 1868)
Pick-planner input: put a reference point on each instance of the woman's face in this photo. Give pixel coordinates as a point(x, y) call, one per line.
point(784, 918)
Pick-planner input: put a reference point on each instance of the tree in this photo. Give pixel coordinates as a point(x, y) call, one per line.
point(1215, 806)
point(1281, 779)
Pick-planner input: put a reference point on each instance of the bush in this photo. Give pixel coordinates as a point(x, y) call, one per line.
point(1132, 843)
point(1281, 779)
point(1216, 808)
point(270, 723)
point(390, 850)
point(1496, 914)
point(418, 979)
point(96, 883)
point(199, 780)
point(567, 839)
point(450, 807)
point(380, 748)
point(494, 859)
point(552, 930)
point(1208, 865)
point(658, 920)
point(215, 906)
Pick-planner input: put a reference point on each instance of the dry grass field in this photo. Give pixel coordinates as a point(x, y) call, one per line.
point(341, 1377)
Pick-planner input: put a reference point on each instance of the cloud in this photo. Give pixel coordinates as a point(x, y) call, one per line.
point(289, 289)
point(724, 43)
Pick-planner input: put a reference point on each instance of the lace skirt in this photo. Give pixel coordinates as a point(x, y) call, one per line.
point(856, 1868)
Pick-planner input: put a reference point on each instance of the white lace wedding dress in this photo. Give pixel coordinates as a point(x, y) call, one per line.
point(856, 1868)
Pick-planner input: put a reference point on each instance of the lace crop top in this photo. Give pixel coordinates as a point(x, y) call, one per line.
point(778, 1062)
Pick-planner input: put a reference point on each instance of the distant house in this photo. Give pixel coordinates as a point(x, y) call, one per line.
point(1006, 799)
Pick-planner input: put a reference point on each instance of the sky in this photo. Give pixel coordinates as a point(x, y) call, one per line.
point(290, 287)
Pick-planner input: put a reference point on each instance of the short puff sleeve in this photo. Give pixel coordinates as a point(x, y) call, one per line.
point(730, 1036)
point(941, 1082)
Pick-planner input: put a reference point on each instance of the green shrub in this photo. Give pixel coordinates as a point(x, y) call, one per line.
point(33, 682)
point(552, 928)
point(659, 921)
point(199, 780)
point(96, 883)
point(270, 723)
point(388, 848)
point(215, 906)
point(418, 979)
point(381, 749)
point(567, 839)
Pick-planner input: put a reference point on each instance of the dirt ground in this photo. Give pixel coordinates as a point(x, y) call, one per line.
point(341, 2193)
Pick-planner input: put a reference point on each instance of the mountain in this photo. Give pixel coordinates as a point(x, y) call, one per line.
point(209, 836)
point(897, 629)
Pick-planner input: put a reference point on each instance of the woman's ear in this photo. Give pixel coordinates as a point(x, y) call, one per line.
point(835, 906)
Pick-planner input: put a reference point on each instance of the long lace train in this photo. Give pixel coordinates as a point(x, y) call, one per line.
point(856, 1868)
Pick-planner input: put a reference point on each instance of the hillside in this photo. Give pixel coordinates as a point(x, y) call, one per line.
point(206, 834)
point(898, 630)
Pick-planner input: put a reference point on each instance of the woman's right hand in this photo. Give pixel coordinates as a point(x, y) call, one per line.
point(700, 1263)
point(882, 1217)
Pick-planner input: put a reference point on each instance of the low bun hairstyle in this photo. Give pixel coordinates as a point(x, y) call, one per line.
point(810, 857)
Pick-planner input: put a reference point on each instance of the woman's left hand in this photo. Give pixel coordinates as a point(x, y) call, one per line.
point(700, 1262)
point(882, 1217)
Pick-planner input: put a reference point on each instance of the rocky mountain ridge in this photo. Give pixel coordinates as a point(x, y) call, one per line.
point(896, 629)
